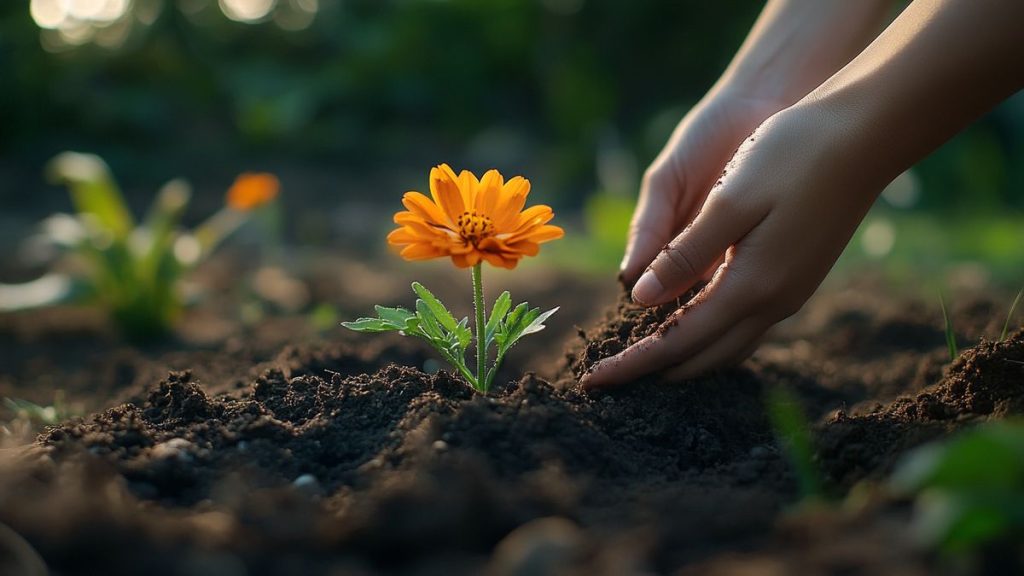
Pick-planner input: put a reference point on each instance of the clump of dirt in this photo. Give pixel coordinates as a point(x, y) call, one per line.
point(624, 325)
point(983, 383)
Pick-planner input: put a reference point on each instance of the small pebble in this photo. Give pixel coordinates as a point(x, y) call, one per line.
point(542, 546)
point(176, 448)
point(760, 452)
point(440, 445)
point(308, 484)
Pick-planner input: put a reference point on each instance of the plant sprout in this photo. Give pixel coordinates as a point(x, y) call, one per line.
point(1009, 316)
point(131, 270)
point(947, 321)
point(472, 221)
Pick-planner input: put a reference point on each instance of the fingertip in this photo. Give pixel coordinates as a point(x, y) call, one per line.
point(596, 376)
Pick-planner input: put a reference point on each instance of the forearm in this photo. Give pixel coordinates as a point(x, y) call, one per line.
point(796, 44)
point(939, 66)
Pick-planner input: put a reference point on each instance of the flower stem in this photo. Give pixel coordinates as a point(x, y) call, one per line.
point(481, 350)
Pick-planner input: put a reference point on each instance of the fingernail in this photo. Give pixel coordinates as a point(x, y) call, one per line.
point(648, 289)
point(625, 261)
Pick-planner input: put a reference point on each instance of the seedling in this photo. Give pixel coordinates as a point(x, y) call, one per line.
point(794, 434)
point(131, 270)
point(471, 221)
point(948, 326)
point(1009, 316)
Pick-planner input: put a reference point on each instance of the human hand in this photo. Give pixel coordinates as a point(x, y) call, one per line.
point(789, 202)
point(676, 184)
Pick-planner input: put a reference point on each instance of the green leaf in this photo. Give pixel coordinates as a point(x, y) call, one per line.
point(537, 324)
point(443, 316)
point(398, 316)
point(463, 334)
point(520, 322)
point(429, 323)
point(93, 190)
point(501, 307)
point(369, 325)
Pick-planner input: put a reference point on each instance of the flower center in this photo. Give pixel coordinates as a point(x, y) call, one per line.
point(474, 227)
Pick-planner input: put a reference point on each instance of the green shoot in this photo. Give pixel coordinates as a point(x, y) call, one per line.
point(1009, 316)
point(950, 335)
point(431, 321)
point(794, 434)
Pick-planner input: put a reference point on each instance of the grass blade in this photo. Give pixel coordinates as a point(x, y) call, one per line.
point(1009, 316)
point(950, 336)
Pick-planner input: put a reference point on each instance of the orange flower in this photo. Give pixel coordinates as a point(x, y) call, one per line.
point(252, 190)
point(472, 220)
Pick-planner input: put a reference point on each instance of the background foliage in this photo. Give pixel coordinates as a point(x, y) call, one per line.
point(349, 100)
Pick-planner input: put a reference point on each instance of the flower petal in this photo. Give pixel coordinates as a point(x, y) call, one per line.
point(468, 186)
point(513, 198)
point(499, 261)
point(424, 208)
point(540, 234)
point(403, 236)
point(489, 193)
point(421, 252)
point(532, 217)
point(526, 248)
point(444, 187)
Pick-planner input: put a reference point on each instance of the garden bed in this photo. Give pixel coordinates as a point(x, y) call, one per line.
point(345, 457)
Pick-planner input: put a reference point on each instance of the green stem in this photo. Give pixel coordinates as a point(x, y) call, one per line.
point(481, 350)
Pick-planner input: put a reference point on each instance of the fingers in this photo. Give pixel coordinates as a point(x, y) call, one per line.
point(690, 329)
point(729, 350)
point(654, 222)
point(682, 263)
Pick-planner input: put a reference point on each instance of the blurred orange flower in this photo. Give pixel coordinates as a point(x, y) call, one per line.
point(252, 190)
point(472, 220)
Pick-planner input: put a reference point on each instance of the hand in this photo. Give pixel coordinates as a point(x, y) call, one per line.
point(788, 204)
point(677, 182)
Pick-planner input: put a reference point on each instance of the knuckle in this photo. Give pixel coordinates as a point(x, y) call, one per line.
point(682, 258)
point(724, 199)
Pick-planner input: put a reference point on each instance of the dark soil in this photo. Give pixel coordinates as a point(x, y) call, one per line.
point(347, 459)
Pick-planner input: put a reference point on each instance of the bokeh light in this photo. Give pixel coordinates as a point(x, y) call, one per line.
point(247, 10)
point(70, 23)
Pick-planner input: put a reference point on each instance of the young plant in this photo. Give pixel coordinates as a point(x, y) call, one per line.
point(947, 321)
point(1009, 316)
point(131, 270)
point(793, 432)
point(471, 221)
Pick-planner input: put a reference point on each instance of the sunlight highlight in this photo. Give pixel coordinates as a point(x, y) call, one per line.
point(247, 10)
point(69, 23)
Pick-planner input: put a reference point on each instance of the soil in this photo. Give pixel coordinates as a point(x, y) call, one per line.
point(341, 456)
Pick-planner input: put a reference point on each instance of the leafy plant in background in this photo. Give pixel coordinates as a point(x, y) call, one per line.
point(27, 418)
point(968, 491)
point(471, 221)
point(131, 270)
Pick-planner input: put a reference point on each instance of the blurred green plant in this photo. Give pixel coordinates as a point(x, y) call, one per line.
point(947, 322)
point(793, 432)
point(605, 227)
point(968, 491)
point(28, 418)
point(131, 270)
point(1009, 316)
